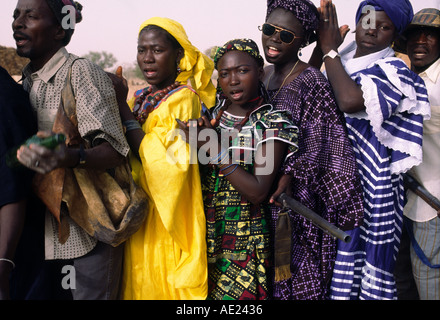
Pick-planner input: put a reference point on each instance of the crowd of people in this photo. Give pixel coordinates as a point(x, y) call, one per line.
point(341, 133)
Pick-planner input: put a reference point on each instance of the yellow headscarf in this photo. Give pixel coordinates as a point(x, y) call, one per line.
point(195, 66)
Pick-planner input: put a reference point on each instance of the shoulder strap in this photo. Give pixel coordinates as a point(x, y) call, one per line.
point(66, 121)
point(409, 226)
point(68, 98)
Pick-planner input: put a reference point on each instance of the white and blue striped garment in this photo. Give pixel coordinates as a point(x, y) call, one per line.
point(387, 139)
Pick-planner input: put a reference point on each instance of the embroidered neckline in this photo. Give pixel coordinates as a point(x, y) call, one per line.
point(245, 119)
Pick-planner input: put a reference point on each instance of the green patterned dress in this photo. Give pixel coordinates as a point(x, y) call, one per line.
point(237, 230)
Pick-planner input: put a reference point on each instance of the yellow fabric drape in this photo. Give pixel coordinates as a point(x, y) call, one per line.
point(195, 66)
point(166, 259)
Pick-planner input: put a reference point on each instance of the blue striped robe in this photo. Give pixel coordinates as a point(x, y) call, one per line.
point(387, 139)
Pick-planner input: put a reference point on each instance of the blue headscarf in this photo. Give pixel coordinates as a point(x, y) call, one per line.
point(399, 11)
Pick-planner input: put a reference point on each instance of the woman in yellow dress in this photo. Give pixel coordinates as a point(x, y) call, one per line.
point(166, 259)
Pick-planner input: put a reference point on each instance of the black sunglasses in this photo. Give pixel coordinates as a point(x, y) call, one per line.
point(286, 36)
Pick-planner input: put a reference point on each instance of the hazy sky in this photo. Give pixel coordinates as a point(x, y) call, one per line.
point(113, 25)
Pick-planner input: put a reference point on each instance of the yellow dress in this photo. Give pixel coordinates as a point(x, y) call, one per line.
point(166, 259)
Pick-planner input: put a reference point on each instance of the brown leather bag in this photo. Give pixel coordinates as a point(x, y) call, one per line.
point(109, 207)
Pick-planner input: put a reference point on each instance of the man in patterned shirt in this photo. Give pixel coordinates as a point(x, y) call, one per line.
point(41, 35)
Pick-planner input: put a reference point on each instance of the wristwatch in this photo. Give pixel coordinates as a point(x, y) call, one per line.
point(332, 54)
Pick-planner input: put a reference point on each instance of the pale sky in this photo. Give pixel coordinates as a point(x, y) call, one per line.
point(113, 25)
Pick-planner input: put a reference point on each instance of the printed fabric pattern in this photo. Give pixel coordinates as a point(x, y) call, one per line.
point(237, 230)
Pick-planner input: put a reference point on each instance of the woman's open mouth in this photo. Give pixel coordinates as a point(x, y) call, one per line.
point(236, 94)
point(150, 73)
point(272, 52)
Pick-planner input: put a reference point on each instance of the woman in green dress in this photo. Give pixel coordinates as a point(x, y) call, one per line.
point(253, 139)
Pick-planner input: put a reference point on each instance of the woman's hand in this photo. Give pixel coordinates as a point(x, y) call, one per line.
point(330, 34)
point(284, 186)
point(203, 123)
point(332, 41)
point(120, 85)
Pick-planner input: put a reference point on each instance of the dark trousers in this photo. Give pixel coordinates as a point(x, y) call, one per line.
point(406, 286)
point(35, 278)
point(98, 273)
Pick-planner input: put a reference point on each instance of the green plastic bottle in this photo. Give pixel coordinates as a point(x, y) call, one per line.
point(50, 142)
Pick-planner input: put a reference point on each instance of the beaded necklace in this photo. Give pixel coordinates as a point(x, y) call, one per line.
point(148, 100)
point(240, 125)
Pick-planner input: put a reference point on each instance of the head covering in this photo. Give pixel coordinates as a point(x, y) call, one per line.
point(428, 17)
point(245, 45)
point(304, 10)
point(425, 18)
point(195, 66)
point(399, 11)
